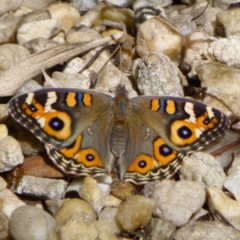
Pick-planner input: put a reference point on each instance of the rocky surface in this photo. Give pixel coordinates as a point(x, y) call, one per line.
point(167, 48)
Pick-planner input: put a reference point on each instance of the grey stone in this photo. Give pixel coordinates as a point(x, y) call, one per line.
point(28, 223)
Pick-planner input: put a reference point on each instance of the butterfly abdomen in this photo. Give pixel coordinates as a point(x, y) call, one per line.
point(119, 138)
point(119, 131)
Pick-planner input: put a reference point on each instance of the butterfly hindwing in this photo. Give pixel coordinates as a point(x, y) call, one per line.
point(89, 154)
point(148, 157)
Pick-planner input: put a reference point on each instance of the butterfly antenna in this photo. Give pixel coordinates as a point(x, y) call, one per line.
point(131, 58)
point(121, 42)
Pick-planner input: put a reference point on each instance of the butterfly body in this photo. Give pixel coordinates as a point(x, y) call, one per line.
point(89, 133)
point(119, 130)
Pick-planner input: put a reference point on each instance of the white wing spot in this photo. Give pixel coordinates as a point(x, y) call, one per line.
point(210, 112)
point(198, 132)
point(29, 98)
point(52, 98)
point(189, 109)
point(42, 121)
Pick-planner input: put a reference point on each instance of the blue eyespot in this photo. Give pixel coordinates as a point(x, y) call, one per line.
point(142, 164)
point(56, 124)
point(184, 132)
point(165, 150)
point(90, 157)
point(32, 108)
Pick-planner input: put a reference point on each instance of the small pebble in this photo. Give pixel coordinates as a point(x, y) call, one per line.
point(53, 205)
point(135, 212)
point(9, 5)
point(122, 190)
point(36, 16)
point(231, 183)
point(11, 54)
point(64, 13)
point(224, 79)
point(38, 4)
point(28, 223)
point(40, 44)
point(8, 29)
point(84, 6)
point(227, 22)
point(3, 131)
point(176, 201)
point(195, 42)
point(223, 207)
point(144, 10)
point(157, 75)
point(78, 228)
point(207, 22)
point(207, 230)
point(202, 167)
point(4, 227)
point(159, 229)
point(222, 4)
point(105, 230)
point(125, 15)
point(109, 79)
point(111, 201)
point(45, 28)
point(158, 35)
point(110, 214)
point(92, 193)
point(224, 50)
point(41, 166)
point(121, 3)
point(75, 207)
point(10, 154)
point(43, 188)
point(3, 184)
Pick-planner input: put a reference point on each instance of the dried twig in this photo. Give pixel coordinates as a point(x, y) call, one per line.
point(15, 76)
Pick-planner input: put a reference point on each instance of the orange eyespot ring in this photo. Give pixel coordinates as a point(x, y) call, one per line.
point(89, 157)
point(38, 109)
point(142, 164)
point(57, 124)
point(184, 132)
point(163, 153)
point(209, 123)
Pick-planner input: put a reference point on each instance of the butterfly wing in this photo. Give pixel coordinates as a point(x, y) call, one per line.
point(172, 127)
point(61, 119)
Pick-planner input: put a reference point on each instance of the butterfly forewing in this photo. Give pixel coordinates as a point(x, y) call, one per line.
point(186, 125)
point(57, 116)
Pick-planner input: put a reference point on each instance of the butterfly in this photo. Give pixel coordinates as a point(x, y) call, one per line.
point(86, 132)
